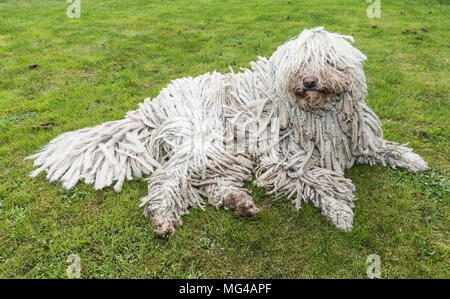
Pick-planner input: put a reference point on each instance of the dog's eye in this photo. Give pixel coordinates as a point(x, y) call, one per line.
point(330, 63)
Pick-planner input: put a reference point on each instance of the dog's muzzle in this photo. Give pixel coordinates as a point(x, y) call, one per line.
point(310, 82)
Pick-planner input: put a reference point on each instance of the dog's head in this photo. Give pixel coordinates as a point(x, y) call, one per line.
point(316, 67)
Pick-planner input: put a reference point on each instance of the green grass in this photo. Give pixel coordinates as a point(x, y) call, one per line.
point(96, 68)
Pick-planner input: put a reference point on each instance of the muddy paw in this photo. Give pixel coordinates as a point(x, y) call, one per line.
point(163, 226)
point(241, 204)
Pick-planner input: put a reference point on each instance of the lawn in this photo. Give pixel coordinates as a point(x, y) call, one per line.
point(59, 74)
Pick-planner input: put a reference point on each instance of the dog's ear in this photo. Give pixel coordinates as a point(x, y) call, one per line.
point(355, 52)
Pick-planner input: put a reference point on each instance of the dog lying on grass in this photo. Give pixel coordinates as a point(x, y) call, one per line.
point(295, 121)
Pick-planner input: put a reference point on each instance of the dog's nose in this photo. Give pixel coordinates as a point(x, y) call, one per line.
point(310, 81)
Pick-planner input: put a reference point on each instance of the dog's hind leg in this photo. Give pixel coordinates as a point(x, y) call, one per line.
point(229, 193)
point(170, 195)
point(180, 183)
point(172, 191)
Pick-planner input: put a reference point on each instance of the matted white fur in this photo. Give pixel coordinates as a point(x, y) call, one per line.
point(205, 136)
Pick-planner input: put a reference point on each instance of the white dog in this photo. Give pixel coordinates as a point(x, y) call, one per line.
point(296, 121)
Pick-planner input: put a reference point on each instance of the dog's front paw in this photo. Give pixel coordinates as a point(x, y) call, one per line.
point(240, 203)
point(412, 162)
point(338, 212)
point(163, 225)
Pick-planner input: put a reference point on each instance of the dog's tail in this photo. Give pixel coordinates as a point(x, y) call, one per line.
point(100, 155)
